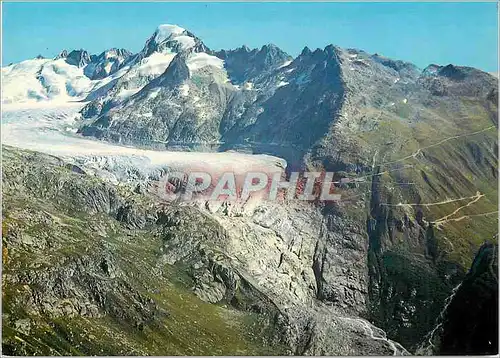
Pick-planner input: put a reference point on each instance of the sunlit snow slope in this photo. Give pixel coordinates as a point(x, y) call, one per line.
point(50, 128)
point(43, 79)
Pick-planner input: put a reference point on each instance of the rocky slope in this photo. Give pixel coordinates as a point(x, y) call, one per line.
point(86, 262)
point(82, 265)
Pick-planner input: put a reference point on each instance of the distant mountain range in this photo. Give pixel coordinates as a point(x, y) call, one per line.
point(178, 92)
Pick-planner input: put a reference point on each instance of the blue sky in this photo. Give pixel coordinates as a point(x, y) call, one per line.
point(423, 33)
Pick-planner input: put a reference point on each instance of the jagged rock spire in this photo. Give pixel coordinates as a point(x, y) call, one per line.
point(62, 54)
point(78, 58)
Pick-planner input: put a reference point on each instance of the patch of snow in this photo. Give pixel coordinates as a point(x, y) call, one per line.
point(164, 32)
point(125, 93)
point(430, 70)
point(71, 130)
point(199, 60)
point(153, 93)
point(155, 64)
point(396, 80)
point(184, 90)
point(108, 67)
point(405, 100)
point(185, 41)
point(285, 64)
point(290, 70)
point(248, 86)
point(122, 71)
point(281, 84)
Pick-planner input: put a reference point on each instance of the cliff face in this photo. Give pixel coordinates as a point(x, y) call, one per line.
point(469, 322)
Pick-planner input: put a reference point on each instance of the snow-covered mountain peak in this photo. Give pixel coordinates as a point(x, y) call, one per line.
point(167, 31)
point(172, 38)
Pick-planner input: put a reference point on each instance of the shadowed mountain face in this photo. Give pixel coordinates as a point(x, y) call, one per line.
point(470, 322)
point(419, 149)
point(243, 64)
point(106, 63)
